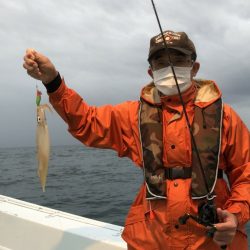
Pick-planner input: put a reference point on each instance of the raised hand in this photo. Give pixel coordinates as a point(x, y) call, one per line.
point(39, 66)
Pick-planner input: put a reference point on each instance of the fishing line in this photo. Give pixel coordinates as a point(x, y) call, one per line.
point(183, 105)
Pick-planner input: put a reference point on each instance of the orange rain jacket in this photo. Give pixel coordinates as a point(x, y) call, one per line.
point(116, 127)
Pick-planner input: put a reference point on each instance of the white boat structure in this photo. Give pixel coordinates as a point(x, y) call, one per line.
point(27, 226)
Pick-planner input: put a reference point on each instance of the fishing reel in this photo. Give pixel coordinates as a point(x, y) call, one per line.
point(207, 216)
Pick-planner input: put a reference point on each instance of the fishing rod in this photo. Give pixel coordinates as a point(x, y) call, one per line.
point(181, 99)
point(207, 215)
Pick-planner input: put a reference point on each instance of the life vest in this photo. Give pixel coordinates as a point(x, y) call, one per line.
point(206, 129)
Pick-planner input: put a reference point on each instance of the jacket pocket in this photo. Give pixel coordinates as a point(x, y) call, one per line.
point(136, 214)
point(137, 231)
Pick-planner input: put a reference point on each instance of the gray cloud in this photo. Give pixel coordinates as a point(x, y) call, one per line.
point(101, 47)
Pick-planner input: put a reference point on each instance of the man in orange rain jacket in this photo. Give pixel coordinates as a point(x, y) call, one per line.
point(153, 133)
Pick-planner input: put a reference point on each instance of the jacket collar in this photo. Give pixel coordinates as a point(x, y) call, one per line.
point(202, 92)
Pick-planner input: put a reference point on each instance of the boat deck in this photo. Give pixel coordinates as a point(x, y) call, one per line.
point(26, 226)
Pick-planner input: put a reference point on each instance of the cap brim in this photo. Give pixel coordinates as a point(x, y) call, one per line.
point(184, 51)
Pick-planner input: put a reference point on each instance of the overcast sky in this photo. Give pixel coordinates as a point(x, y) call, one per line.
point(101, 47)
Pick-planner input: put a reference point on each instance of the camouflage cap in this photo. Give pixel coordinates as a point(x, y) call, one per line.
point(174, 40)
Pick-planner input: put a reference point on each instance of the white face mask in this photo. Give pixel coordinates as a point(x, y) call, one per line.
point(165, 82)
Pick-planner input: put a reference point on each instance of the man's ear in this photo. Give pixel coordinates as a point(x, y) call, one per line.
point(195, 69)
point(150, 72)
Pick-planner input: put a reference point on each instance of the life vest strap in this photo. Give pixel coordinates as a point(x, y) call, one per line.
point(184, 173)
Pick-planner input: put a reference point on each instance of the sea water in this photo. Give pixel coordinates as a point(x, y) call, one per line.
point(89, 182)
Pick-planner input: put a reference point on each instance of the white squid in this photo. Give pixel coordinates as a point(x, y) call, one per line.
point(43, 144)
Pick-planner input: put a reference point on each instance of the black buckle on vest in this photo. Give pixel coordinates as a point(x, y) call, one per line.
point(178, 173)
point(184, 173)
